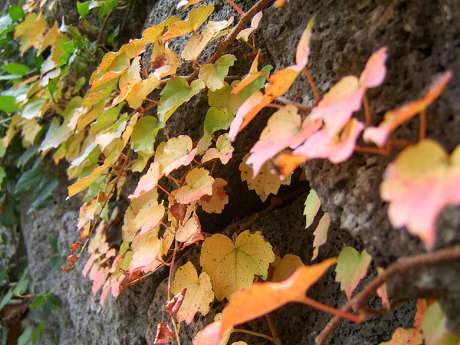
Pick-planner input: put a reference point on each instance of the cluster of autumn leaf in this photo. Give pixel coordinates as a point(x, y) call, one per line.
point(111, 130)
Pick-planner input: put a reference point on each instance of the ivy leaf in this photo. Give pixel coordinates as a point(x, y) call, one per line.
point(335, 146)
point(312, 206)
point(16, 68)
point(396, 117)
point(303, 47)
point(217, 201)
point(148, 181)
point(198, 42)
point(434, 327)
point(320, 234)
point(280, 132)
point(223, 150)
point(198, 293)
point(144, 134)
point(83, 8)
point(195, 19)
point(16, 12)
point(8, 104)
point(232, 266)
point(403, 336)
point(351, 267)
point(176, 92)
point(245, 33)
point(190, 231)
point(210, 335)
point(418, 185)
point(30, 31)
point(216, 119)
point(173, 154)
point(146, 253)
point(265, 183)
point(164, 334)
point(140, 91)
point(284, 267)
point(213, 75)
point(262, 298)
point(198, 183)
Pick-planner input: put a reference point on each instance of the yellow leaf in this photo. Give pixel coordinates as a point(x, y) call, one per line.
point(30, 32)
point(265, 183)
point(320, 234)
point(219, 198)
point(175, 153)
point(198, 295)
point(404, 336)
point(198, 42)
point(232, 266)
point(195, 19)
point(141, 90)
point(284, 267)
point(198, 183)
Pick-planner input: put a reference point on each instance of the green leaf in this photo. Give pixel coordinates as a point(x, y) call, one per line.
point(16, 12)
point(213, 75)
point(37, 331)
point(144, 134)
point(217, 119)
point(176, 92)
point(44, 193)
point(312, 205)
point(8, 296)
point(106, 7)
point(16, 68)
point(434, 326)
point(351, 268)
point(83, 8)
point(22, 284)
point(2, 175)
point(7, 104)
point(26, 336)
point(256, 84)
point(29, 179)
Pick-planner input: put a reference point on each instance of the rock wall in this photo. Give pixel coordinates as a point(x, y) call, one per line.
point(423, 40)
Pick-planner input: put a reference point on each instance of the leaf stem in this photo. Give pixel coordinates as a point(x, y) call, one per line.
point(422, 125)
point(341, 314)
point(312, 84)
point(273, 330)
point(255, 334)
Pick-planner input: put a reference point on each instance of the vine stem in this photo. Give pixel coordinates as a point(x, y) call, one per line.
point(104, 25)
point(236, 7)
point(287, 101)
point(255, 334)
point(422, 126)
point(273, 330)
point(401, 266)
point(245, 19)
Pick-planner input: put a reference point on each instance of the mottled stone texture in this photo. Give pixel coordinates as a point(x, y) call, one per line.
point(423, 39)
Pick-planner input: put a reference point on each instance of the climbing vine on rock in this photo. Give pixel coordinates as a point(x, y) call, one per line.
point(116, 125)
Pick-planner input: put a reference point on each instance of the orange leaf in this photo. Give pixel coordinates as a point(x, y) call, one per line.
point(262, 298)
point(396, 117)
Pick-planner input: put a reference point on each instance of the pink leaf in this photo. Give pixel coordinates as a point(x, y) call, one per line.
point(374, 72)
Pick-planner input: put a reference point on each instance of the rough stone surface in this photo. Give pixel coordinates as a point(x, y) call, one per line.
point(422, 41)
